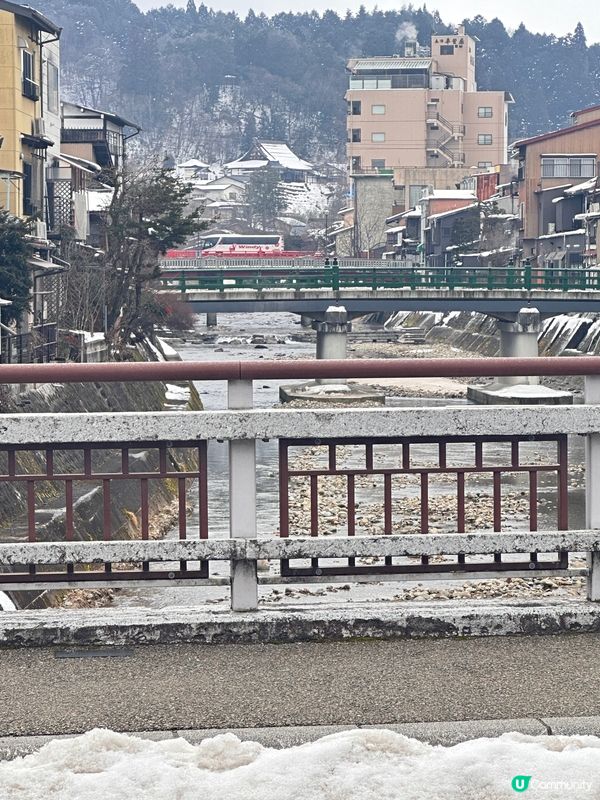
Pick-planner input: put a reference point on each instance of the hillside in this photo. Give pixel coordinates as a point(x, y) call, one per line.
point(205, 83)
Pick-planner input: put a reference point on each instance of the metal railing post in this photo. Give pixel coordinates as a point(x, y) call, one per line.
point(242, 502)
point(592, 496)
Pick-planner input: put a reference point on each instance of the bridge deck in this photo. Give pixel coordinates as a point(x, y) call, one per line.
point(364, 287)
point(166, 687)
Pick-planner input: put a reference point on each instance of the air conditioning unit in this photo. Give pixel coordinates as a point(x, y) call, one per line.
point(551, 227)
point(39, 127)
point(39, 230)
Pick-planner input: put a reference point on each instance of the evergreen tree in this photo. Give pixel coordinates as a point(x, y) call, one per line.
point(265, 197)
point(15, 272)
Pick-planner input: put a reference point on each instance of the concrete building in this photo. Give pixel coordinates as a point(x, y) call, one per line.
point(423, 109)
point(549, 164)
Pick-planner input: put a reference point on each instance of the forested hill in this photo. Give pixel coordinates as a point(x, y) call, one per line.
point(171, 70)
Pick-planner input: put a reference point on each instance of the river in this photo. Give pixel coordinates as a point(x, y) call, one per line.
point(272, 337)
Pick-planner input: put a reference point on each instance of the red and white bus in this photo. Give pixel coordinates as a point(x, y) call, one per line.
point(238, 245)
point(235, 244)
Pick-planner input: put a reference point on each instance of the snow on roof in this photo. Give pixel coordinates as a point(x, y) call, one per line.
point(99, 201)
point(5, 302)
point(453, 211)
point(578, 232)
point(280, 152)
point(274, 152)
point(414, 212)
point(554, 188)
point(193, 162)
point(388, 62)
point(80, 163)
point(580, 188)
point(451, 194)
point(239, 163)
point(396, 229)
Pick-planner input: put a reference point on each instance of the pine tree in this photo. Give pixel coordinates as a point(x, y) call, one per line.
point(191, 7)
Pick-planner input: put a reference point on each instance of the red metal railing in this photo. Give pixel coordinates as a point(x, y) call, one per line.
point(403, 462)
point(301, 369)
point(74, 473)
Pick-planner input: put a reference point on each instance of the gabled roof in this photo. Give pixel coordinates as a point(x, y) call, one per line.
point(87, 111)
point(41, 22)
point(273, 152)
point(193, 162)
point(556, 134)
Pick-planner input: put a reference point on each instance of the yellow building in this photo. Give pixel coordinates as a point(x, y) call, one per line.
point(29, 108)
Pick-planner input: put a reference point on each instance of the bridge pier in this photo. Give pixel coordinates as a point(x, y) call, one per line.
point(332, 338)
point(332, 343)
point(519, 339)
point(211, 321)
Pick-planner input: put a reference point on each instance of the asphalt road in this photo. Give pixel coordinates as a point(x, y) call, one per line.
point(166, 687)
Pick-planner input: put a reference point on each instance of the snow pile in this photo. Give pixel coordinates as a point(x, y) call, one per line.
point(354, 765)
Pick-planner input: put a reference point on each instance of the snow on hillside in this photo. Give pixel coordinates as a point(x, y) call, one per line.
point(354, 765)
point(306, 199)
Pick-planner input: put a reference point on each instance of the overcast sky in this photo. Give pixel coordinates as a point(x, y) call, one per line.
point(551, 16)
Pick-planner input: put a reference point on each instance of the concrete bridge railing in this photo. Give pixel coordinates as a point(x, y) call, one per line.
point(404, 451)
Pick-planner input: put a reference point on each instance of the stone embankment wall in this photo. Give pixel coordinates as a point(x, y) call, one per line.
point(577, 334)
point(88, 506)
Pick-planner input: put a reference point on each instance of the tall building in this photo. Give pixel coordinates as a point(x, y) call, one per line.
point(423, 109)
point(29, 108)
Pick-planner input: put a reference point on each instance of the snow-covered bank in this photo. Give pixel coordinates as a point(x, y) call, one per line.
point(354, 765)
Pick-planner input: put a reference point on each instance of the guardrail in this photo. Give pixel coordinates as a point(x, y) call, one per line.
point(395, 459)
point(395, 275)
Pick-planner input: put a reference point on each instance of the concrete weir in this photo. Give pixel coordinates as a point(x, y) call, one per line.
point(519, 339)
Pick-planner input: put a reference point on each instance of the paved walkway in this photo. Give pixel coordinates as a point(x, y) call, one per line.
point(169, 687)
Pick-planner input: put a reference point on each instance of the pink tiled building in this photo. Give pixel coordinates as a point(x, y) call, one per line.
point(423, 109)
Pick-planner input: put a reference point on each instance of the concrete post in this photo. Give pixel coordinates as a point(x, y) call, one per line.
point(305, 321)
point(211, 320)
point(592, 493)
point(519, 339)
point(242, 502)
point(332, 337)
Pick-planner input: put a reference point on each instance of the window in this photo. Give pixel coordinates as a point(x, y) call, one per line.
point(52, 75)
point(485, 111)
point(377, 109)
point(30, 87)
point(415, 193)
point(484, 164)
point(484, 138)
point(354, 108)
point(568, 166)
point(355, 135)
point(378, 137)
point(28, 208)
point(378, 163)
point(447, 50)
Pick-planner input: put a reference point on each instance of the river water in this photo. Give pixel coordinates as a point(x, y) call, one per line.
point(271, 337)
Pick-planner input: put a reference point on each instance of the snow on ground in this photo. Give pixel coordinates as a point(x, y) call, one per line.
point(354, 765)
point(6, 604)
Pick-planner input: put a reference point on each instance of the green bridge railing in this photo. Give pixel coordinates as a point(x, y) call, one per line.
point(394, 275)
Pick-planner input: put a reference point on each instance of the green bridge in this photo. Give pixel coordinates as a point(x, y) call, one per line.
point(367, 286)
